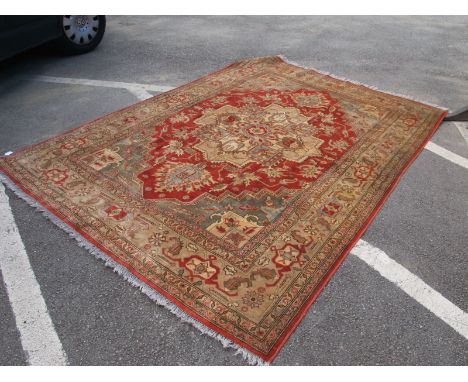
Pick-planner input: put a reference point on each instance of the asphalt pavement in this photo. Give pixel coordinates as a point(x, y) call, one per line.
point(361, 317)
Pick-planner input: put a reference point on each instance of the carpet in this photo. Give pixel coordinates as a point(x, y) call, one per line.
point(233, 199)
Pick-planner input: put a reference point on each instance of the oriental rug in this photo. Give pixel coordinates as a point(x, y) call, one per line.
point(232, 199)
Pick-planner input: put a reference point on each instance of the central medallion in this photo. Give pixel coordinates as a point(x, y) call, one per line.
point(245, 141)
point(255, 134)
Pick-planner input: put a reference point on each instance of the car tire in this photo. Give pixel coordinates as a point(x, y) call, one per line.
point(80, 34)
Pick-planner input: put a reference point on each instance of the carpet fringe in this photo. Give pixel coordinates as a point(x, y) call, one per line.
point(285, 59)
point(251, 358)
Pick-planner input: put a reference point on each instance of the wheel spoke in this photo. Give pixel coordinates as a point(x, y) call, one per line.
point(80, 29)
point(93, 23)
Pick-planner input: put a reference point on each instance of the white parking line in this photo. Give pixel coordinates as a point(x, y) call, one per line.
point(105, 84)
point(37, 333)
point(140, 93)
point(413, 286)
point(463, 128)
point(446, 154)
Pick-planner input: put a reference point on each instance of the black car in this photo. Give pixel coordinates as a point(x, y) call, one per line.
point(70, 34)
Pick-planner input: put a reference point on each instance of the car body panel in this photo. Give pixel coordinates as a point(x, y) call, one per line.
point(20, 33)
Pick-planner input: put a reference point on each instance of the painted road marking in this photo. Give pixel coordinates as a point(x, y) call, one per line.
point(37, 333)
point(141, 92)
point(463, 128)
point(101, 83)
point(413, 286)
point(446, 154)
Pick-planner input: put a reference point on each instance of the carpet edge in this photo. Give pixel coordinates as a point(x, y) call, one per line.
point(159, 299)
point(371, 87)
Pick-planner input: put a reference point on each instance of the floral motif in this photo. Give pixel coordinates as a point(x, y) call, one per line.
point(157, 238)
point(363, 171)
point(331, 208)
point(116, 213)
point(201, 269)
point(56, 175)
point(253, 299)
point(103, 158)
